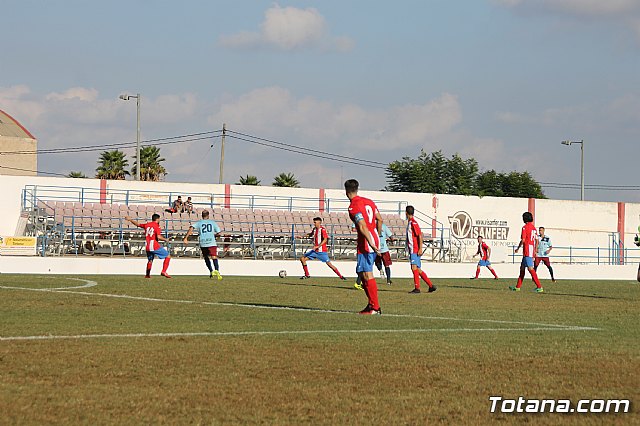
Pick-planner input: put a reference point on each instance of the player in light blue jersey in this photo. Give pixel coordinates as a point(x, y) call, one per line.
point(542, 255)
point(207, 230)
point(384, 258)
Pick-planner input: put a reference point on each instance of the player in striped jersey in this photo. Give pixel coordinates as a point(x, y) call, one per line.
point(320, 237)
point(484, 251)
point(153, 234)
point(529, 244)
point(414, 249)
point(366, 217)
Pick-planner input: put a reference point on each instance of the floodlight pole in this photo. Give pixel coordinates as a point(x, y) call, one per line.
point(581, 142)
point(139, 166)
point(138, 98)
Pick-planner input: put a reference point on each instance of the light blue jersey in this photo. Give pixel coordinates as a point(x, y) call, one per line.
point(207, 230)
point(386, 233)
point(544, 244)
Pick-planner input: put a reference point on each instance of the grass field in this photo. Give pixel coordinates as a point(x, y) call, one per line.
point(267, 350)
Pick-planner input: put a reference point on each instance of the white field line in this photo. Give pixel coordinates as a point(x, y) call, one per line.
point(292, 308)
point(280, 333)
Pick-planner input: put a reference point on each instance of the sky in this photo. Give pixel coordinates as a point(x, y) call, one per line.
point(501, 81)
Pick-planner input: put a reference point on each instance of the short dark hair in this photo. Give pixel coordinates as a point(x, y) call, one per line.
point(317, 218)
point(527, 217)
point(351, 186)
point(155, 216)
point(410, 210)
point(542, 227)
point(205, 213)
point(179, 196)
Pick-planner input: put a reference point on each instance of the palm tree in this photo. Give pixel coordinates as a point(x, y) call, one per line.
point(76, 175)
point(112, 165)
point(249, 180)
point(286, 180)
point(151, 169)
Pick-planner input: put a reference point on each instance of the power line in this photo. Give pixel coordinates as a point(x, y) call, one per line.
point(302, 151)
point(306, 149)
point(33, 171)
point(87, 148)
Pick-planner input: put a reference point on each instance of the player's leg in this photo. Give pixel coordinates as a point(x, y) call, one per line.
point(162, 253)
point(477, 272)
point(358, 284)
point(378, 263)
point(415, 261)
point(386, 261)
point(303, 260)
point(426, 279)
point(150, 257)
point(213, 252)
point(207, 261)
point(365, 267)
point(495, 276)
point(536, 263)
point(523, 268)
point(639, 273)
point(334, 269)
point(547, 263)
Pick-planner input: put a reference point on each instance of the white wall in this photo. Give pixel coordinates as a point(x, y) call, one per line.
point(136, 266)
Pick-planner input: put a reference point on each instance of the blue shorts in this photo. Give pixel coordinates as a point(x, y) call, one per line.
point(320, 255)
point(527, 261)
point(365, 262)
point(161, 253)
point(484, 263)
point(414, 259)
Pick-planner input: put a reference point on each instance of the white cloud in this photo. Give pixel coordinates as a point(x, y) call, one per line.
point(289, 28)
point(625, 12)
point(263, 111)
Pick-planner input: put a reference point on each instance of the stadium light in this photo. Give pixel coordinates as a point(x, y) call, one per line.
point(581, 142)
point(137, 97)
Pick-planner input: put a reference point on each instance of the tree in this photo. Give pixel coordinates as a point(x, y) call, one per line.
point(112, 165)
point(249, 180)
point(79, 175)
point(150, 160)
point(286, 180)
point(434, 173)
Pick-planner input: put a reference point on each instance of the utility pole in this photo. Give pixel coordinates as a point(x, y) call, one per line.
point(224, 132)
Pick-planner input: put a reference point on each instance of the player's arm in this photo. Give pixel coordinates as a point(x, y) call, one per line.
point(521, 243)
point(420, 243)
point(477, 252)
point(128, 219)
point(189, 232)
point(488, 252)
point(379, 222)
point(361, 226)
point(550, 247)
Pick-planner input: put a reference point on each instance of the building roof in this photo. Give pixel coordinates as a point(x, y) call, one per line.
point(10, 127)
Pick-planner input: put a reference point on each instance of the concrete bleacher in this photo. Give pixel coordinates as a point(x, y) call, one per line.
point(100, 228)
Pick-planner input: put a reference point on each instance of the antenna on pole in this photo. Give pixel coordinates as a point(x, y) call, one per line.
point(224, 132)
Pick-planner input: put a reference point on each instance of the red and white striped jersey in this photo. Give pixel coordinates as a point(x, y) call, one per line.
point(529, 237)
point(413, 235)
point(152, 230)
point(320, 234)
point(364, 209)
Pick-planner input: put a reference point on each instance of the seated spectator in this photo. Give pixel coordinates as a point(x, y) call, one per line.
point(178, 206)
point(188, 206)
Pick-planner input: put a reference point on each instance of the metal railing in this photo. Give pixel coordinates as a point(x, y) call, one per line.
point(588, 255)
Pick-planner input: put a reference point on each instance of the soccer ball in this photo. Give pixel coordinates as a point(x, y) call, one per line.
point(282, 274)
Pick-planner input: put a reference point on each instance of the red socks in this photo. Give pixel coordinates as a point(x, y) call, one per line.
point(149, 264)
point(372, 292)
point(416, 279)
point(534, 275)
point(337, 272)
point(165, 265)
point(493, 272)
point(520, 278)
point(477, 272)
point(306, 270)
point(426, 279)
